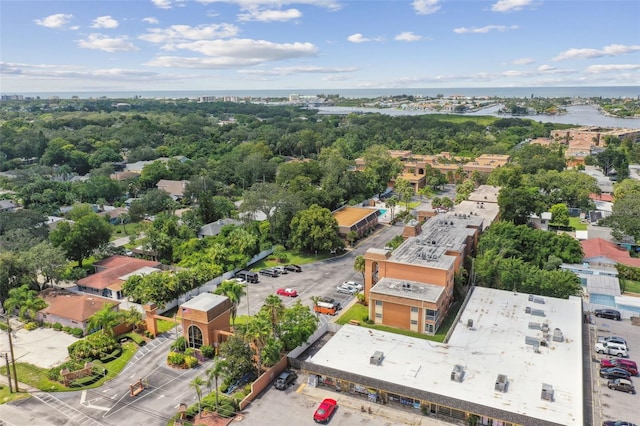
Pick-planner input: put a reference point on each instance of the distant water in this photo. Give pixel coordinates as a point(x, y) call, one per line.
point(500, 92)
point(580, 115)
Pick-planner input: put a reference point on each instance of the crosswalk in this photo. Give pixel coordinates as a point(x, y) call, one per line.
point(151, 345)
point(77, 417)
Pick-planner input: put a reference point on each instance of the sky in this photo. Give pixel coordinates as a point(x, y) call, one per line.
point(122, 45)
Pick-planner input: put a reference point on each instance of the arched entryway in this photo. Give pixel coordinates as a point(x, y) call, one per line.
point(195, 336)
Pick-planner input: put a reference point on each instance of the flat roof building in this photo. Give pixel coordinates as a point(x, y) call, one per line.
point(513, 358)
point(357, 219)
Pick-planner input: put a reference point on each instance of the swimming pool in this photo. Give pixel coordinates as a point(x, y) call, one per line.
point(602, 299)
point(382, 212)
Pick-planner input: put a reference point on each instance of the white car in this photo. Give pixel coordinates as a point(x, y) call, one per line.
point(358, 286)
point(346, 288)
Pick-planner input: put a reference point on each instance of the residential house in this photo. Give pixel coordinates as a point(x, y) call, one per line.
point(112, 272)
point(600, 252)
point(214, 228)
point(175, 188)
point(7, 206)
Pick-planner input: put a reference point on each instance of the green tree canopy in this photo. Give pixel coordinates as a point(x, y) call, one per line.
point(315, 229)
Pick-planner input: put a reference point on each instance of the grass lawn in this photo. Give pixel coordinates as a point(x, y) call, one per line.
point(131, 229)
point(360, 312)
point(37, 377)
point(576, 224)
point(6, 396)
point(296, 257)
point(630, 286)
point(164, 325)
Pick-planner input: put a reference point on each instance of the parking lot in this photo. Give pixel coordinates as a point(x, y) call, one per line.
point(610, 404)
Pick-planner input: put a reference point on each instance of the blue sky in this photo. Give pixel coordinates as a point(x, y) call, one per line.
point(80, 45)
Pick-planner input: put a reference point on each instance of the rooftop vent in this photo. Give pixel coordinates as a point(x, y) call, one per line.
point(470, 323)
point(376, 358)
point(534, 299)
point(501, 383)
point(535, 326)
point(557, 335)
point(547, 392)
point(537, 312)
point(457, 374)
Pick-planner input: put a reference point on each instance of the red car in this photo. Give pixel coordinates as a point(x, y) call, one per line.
point(325, 410)
point(625, 364)
point(287, 292)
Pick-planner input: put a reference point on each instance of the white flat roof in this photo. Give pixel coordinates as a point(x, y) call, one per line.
point(494, 345)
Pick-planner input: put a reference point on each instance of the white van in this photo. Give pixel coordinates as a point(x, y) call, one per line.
point(614, 349)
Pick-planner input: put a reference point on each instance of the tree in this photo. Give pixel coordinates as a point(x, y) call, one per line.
point(273, 308)
point(124, 218)
point(391, 204)
point(380, 167)
point(625, 218)
point(197, 384)
point(234, 291)
point(256, 332)
point(517, 204)
point(26, 301)
point(611, 159)
point(132, 317)
point(315, 229)
point(237, 355)
point(47, 260)
point(105, 319)
point(560, 214)
point(297, 325)
point(213, 374)
point(14, 272)
point(359, 265)
point(81, 238)
point(352, 236)
point(405, 190)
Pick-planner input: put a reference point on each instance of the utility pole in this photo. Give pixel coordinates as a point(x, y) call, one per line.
point(6, 359)
point(13, 358)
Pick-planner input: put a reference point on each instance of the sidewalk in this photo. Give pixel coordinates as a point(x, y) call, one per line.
point(396, 416)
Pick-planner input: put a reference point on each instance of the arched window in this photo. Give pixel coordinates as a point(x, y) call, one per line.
point(195, 337)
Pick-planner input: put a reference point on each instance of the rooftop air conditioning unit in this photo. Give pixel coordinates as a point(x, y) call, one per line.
point(376, 358)
point(457, 374)
point(547, 392)
point(501, 383)
point(469, 323)
point(557, 335)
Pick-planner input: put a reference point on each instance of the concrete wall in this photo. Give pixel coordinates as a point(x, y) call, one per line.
point(264, 381)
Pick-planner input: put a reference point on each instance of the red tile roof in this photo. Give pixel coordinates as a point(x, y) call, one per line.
point(73, 306)
point(601, 197)
point(597, 247)
point(112, 268)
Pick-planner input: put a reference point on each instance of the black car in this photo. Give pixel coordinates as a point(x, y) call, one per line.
point(608, 313)
point(285, 379)
point(293, 268)
point(617, 423)
point(614, 373)
point(269, 272)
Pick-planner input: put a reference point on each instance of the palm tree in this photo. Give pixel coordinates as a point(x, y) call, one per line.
point(256, 332)
point(274, 307)
point(234, 291)
point(131, 317)
point(105, 319)
point(359, 265)
point(315, 300)
point(196, 385)
point(25, 300)
point(124, 218)
point(213, 374)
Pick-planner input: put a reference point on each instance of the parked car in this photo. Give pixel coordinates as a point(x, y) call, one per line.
point(626, 364)
point(293, 268)
point(285, 379)
point(324, 411)
point(617, 423)
point(248, 276)
point(608, 313)
point(269, 272)
point(281, 269)
point(346, 288)
point(359, 286)
point(289, 292)
point(622, 385)
point(614, 373)
point(611, 349)
point(614, 339)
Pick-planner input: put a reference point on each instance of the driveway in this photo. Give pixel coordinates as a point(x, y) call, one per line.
point(42, 347)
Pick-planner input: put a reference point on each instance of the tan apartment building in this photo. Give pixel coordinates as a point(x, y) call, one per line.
point(412, 286)
point(592, 136)
point(358, 219)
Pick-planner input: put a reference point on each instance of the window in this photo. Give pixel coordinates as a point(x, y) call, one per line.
point(378, 302)
point(431, 315)
point(378, 315)
point(195, 337)
point(414, 322)
point(414, 309)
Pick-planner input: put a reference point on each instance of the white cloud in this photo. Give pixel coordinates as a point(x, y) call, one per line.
point(300, 70)
point(407, 36)
point(151, 20)
point(426, 7)
point(523, 61)
point(600, 69)
point(484, 30)
point(359, 38)
point(270, 15)
point(177, 33)
point(272, 4)
point(543, 68)
point(233, 53)
point(610, 50)
point(511, 5)
point(335, 78)
point(162, 4)
point(59, 20)
point(72, 72)
point(108, 44)
point(104, 22)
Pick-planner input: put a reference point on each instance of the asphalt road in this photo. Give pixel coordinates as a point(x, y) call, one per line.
point(167, 387)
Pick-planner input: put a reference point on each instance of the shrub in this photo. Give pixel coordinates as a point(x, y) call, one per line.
point(77, 332)
point(190, 351)
point(175, 358)
point(226, 409)
point(190, 361)
point(31, 326)
point(207, 351)
point(180, 344)
point(57, 326)
point(66, 329)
